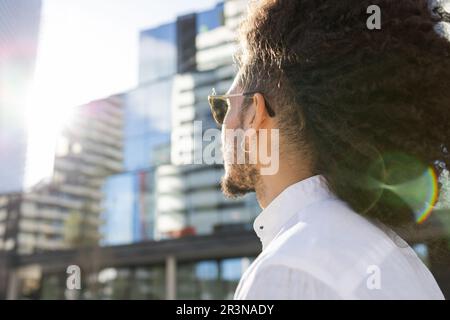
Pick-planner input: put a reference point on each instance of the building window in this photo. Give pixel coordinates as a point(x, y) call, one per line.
point(211, 279)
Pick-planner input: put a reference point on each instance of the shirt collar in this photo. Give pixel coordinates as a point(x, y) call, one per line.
point(289, 202)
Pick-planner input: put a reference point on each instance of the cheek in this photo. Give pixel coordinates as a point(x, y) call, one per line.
point(226, 149)
point(231, 122)
point(232, 119)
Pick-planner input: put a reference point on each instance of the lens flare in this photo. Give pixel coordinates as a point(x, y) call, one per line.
point(412, 183)
point(421, 194)
point(432, 196)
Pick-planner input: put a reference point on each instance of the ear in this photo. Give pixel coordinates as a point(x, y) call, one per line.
point(260, 112)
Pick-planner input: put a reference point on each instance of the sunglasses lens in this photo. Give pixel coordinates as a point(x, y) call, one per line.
point(219, 108)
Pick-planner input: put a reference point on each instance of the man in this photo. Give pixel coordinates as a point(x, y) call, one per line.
point(363, 119)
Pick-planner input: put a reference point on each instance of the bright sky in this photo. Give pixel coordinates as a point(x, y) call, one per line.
point(89, 48)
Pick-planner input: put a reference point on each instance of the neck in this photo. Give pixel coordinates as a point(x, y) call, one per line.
point(269, 187)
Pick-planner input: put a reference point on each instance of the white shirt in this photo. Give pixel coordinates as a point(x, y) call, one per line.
point(316, 247)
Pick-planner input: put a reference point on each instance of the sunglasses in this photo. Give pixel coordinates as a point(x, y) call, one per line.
point(219, 104)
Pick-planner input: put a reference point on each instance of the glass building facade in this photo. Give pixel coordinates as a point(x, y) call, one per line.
point(129, 206)
point(210, 19)
point(129, 197)
point(147, 123)
point(128, 209)
point(206, 280)
point(158, 53)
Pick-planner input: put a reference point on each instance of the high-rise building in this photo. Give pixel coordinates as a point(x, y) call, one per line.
point(158, 53)
point(65, 212)
point(128, 207)
point(194, 200)
point(129, 197)
point(19, 32)
point(179, 62)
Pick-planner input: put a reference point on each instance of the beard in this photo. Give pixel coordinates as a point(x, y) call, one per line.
point(239, 180)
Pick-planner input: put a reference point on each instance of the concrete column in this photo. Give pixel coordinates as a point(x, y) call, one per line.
point(171, 278)
point(13, 286)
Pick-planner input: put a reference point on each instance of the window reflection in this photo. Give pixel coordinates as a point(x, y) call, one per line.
point(214, 279)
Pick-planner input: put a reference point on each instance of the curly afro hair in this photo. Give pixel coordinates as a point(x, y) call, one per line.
point(348, 96)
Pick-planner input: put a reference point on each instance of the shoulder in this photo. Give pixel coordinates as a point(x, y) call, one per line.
point(329, 232)
point(333, 245)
